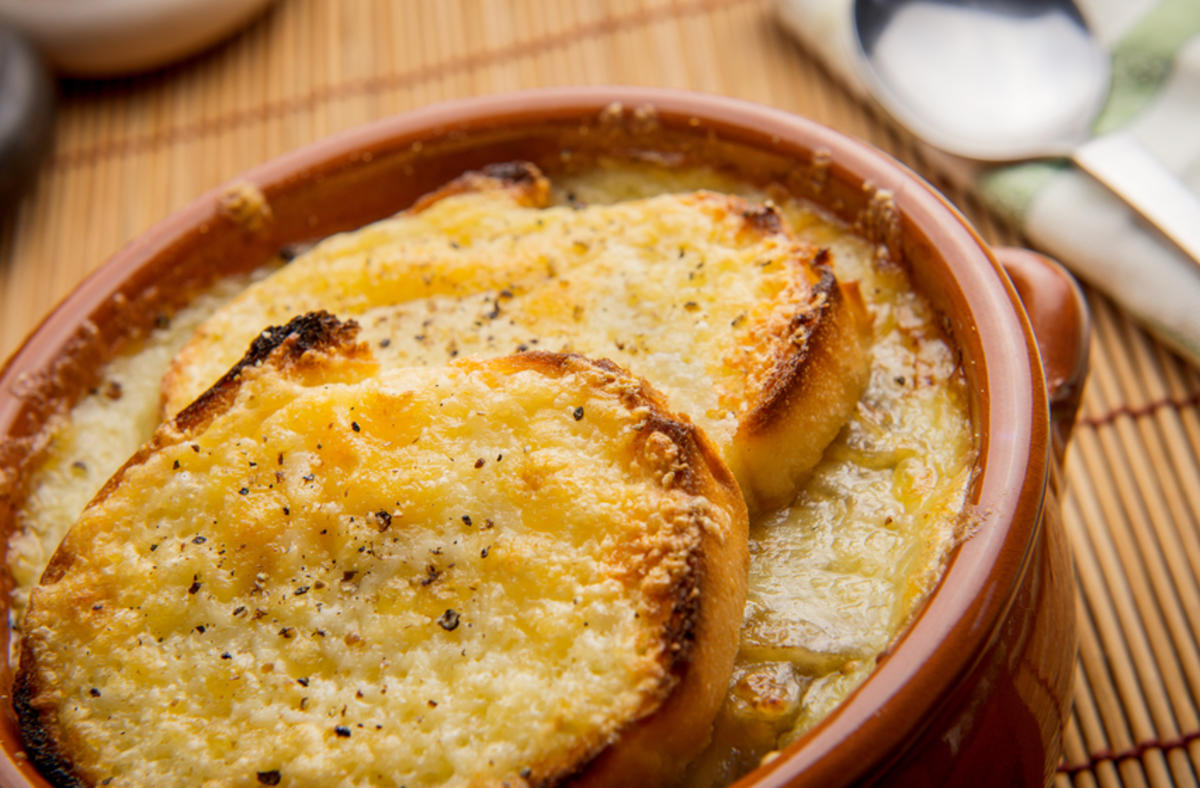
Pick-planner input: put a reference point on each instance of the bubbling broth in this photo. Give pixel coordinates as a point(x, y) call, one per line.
point(834, 577)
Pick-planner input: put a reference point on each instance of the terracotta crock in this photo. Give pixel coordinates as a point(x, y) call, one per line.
point(976, 691)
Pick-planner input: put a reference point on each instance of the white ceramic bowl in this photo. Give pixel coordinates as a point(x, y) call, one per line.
point(112, 37)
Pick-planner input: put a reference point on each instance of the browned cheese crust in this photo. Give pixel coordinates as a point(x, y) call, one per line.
point(516, 571)
point(809, 390)
point(710, 296)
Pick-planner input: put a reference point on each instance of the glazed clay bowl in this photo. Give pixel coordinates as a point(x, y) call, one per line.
point(977, 689)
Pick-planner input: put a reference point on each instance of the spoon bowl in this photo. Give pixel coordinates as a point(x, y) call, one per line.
point(1007, 80)
point(989, 80)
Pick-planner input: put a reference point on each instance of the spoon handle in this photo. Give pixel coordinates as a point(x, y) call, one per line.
point(1121, 163)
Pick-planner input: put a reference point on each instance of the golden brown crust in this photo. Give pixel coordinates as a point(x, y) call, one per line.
point(765, 219)
point(690, 576)
point(281, 346)
point(520, 178)
point(702, 608)
point(816, 378)
point(807, 328)
point(315, 332)
point(292, 347)
point(652, 750)
point(698, 639)
point(39, 723)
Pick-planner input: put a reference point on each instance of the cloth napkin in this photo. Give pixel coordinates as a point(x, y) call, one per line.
point(1155, 96)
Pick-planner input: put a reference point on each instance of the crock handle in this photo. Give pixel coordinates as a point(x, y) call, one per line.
point(1058, 313)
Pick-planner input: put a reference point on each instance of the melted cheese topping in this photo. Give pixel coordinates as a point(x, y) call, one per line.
point(436, 576)
point(480, 274)
point(101, 432)
point(834, 577)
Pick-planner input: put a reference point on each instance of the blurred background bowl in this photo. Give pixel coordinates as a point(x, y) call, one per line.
point(101, 38)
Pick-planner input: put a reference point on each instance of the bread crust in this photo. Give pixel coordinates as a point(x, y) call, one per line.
point(694, 609)
point(767, 315)
point(38, 727)
point(809, 392)
point(524, 182)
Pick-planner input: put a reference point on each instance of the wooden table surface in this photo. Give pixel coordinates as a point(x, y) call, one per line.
point(128, 152)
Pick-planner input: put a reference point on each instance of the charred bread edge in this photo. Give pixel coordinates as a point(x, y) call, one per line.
point(833, 319)
point(35, 727)
point(316, 331)
point(286, 345)
point(816, 320)
point(522, 177)
point(687, 614)
point(696, 596)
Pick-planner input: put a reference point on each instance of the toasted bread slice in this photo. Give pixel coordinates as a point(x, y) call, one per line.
point(708, 296)
point(515, 571)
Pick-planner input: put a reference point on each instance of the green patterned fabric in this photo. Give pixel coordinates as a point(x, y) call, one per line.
point(1143, 58)
point(1141, 62)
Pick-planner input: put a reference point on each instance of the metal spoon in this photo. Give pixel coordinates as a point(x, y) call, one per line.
point(1004, 80)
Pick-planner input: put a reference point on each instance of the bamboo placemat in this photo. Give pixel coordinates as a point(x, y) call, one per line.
point(126, 153)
